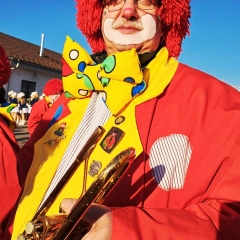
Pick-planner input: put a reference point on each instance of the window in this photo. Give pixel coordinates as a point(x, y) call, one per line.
point(27, 87)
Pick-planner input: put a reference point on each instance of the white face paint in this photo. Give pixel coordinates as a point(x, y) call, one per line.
point(148, 32)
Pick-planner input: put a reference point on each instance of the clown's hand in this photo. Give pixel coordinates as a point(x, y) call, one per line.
point(99, 216)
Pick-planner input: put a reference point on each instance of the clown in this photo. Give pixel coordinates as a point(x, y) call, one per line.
point(52, 90)
point(184, 181)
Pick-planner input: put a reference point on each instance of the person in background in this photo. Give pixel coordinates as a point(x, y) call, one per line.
point(9, 95)
point(6, 108)
point(33, 99)
point(23, 108)
point(15, 111)
point(52, 90)
point(181, 124)
point(9, 184)
point(2, 95)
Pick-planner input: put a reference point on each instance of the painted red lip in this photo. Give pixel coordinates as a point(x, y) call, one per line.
point(127, 29)
point(66, 70)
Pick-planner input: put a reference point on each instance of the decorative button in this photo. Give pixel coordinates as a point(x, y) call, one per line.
point(112, 138)
point(119, 119)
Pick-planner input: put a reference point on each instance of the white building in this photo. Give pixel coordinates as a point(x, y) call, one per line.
point(32, 65)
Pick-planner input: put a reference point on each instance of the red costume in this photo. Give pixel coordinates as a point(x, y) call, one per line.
point(37, 112)
point(185, 183)
point(52, 87)
point(204, 208)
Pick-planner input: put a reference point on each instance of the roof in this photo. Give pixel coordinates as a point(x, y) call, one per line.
point(29, 53)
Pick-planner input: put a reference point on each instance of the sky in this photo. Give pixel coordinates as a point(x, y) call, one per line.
point(213, 45)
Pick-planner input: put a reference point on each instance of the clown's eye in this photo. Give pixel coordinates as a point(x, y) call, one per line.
point(73, 55)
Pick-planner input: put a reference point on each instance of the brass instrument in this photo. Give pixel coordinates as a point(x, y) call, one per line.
point(67, 226)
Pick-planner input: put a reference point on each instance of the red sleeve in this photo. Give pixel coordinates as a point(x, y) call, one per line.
point(9, 184)
point(217, 217)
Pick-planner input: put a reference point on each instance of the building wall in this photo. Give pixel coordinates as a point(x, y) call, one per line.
point(33, 74)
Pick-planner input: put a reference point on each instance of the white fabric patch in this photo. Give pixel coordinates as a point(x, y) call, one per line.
point(169, 160)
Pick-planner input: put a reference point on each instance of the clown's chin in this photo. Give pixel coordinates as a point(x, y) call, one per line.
point(124, 47)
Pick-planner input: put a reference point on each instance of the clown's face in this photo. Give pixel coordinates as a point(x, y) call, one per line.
point(130, 27)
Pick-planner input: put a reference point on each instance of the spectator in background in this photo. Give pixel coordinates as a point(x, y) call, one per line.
point(2, 95)
point(9, 184)
point(5, 110)
point(9, 95)
point(52, 90)
point(33, 99)
point(15, 111)
point(23, 108)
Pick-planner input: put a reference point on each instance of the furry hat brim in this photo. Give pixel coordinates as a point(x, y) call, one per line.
point(5, 68)
point(53, 86)
point(174, 14)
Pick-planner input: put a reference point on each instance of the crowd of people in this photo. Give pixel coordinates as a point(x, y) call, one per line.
point(23, 107)
point(29, 111)
point(178, 127)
